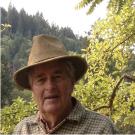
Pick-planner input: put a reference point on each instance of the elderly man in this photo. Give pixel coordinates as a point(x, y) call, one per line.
point(51, 75)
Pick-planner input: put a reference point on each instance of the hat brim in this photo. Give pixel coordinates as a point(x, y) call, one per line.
point(79, 63)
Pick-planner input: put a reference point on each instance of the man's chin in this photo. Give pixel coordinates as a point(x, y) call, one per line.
point(51, 108)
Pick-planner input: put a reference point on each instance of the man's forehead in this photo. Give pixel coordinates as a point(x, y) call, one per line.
point(51, 66)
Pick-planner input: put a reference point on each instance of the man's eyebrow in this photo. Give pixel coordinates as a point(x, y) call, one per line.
point(58, 71)
point(39, 75)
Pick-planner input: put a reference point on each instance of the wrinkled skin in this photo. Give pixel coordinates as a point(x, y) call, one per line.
point(52, 88)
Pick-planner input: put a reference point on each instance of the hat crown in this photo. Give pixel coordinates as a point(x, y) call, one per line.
point(45, 47)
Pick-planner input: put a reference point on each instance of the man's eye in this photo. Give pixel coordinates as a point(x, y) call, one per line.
point(40, 80)
point(58, 77)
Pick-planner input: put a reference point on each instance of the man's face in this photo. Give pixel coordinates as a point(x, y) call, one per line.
point(51, 87)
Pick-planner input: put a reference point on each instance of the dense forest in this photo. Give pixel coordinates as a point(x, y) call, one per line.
point(109, 84)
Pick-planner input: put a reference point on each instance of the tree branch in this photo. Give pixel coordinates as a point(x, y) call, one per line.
point(120, 43)
point(113, 95)
point(101, 107)
point(123, 41)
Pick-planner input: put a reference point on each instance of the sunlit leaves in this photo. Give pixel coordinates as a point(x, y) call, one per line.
point(91, 3)
point(4, 27)
point(105, 87)
point(13, 114)
point(116, 6)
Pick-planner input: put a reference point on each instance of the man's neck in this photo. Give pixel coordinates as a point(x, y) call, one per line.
point(53, 119)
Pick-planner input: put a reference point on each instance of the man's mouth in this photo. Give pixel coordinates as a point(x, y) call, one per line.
point(51, 97)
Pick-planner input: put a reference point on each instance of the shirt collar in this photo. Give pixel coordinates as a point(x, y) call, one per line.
point(77, 113)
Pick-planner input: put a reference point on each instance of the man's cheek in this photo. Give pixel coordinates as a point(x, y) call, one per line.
point(36, 98)
point(39, 103)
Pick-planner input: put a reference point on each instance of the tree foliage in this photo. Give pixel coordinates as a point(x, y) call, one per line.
point(108, 86)
point(5, 79)
point(114, 5)
point(12, 115)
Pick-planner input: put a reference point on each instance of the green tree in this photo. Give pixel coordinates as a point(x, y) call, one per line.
point(12, 18)
point(14, 52)
point(3, 16)
point(113, 5)
point(42, 25)
point(22, 22)
point(67, 32)
point(107, 87)
point(12, 115)
point(6, 82)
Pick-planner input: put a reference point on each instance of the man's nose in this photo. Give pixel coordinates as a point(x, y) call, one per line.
point(50, 84)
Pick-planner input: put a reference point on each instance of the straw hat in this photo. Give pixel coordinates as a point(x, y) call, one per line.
point(45, 49)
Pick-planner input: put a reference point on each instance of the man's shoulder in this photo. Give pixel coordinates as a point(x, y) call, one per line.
point(97, 117)
point(95, 121)
point(26, 125)
point(89, 115)
point(23, 124)
point(27, 120)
